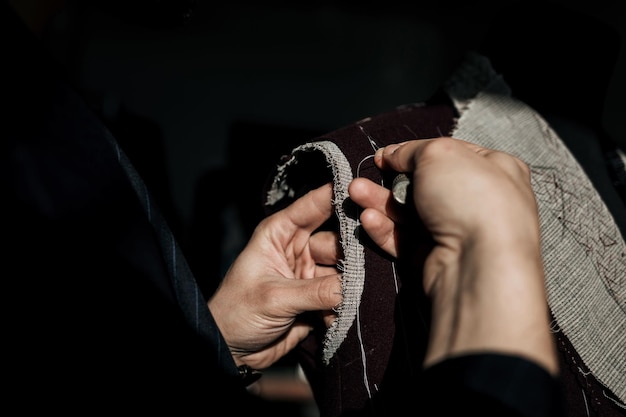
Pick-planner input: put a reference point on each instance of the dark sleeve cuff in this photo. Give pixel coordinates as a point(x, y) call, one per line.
point(493, 384)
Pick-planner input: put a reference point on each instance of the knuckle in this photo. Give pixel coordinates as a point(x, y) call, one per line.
point(442, 145)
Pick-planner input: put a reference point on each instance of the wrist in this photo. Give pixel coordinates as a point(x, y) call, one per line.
point(490, 298)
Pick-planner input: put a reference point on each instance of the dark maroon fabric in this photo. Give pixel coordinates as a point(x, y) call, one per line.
point(385, 317)
point(339, 388)
point(394, 327)
point(584, 395)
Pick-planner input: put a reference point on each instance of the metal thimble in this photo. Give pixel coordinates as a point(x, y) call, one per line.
point(400, 187)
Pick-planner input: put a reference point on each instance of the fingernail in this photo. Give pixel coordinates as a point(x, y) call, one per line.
point(340, 293)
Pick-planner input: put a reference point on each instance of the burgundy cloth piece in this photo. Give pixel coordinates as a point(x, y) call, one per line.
point(394, 327)
point(338, 387)
point(385, 316)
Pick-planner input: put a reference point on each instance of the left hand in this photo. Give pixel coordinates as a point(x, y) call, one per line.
point(287, 268)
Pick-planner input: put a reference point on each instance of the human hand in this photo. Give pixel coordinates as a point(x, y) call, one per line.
point(484, 269)
point(460, 190)
point(287, 268)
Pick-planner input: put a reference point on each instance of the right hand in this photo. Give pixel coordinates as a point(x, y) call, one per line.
point(484, 272)
point(460, 191)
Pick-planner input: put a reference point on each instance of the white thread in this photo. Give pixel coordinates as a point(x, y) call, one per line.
point(358, 332)
point(371, 140)
point(358, 168)
point(358, 318)
point(395, 276)
point(358, 174)
point(554, 327)
point(617, 403)
point(585, 398)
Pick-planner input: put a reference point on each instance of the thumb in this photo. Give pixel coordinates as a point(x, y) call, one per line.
point(315, 294)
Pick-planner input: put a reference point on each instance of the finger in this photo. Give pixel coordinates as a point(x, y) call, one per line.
point(368, 194)
point(400, 156)
point(264, 358)
point(311, 210)
point(403, 157)
point(325, 248)
point(296, 333)
point(381, 229)
point(323, 270)
point(315, 294)
point(329, 317)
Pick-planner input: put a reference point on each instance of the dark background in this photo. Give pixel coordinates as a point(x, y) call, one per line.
point(205, 97)
point(313, 67)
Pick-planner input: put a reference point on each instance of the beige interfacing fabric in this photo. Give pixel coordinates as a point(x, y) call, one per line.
point(583, 249)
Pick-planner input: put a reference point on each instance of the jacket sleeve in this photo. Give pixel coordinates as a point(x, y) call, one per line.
point(491, 385)
point(103, 307)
